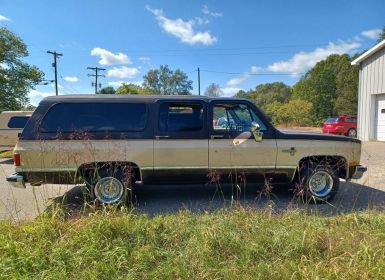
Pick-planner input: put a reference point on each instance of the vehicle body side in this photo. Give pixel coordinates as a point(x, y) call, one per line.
point(183, 158)
point(8, 132)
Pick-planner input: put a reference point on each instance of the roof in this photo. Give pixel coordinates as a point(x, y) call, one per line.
point(369, 53)
point(127, 97)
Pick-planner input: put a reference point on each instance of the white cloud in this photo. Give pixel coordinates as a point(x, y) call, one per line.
point(303, 61)
point(4, 18)
point(123, 72)
point(206, 11)
point(145, 60)
point(35, 96)
point(71, 79)
point(109, 58)
point(119, 83)
point(371, 34)
point(184, 30)
point(230, 91)
point(256, 69)
point(238, 80)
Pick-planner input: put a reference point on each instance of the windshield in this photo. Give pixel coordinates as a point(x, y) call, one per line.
point(332, 120)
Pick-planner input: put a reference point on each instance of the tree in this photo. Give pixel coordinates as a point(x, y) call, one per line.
point(107, 90)
point(268, 93)
point(16, 77)
point(295, 112)
point(213, 90)
point(167, 82)
point(329, 80)
point(131, 89)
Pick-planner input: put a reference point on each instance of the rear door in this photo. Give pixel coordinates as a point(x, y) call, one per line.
point(181, 144)
point(233, 150)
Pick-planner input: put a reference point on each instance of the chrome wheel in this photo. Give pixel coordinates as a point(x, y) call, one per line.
point(320, 184)
point(109, 190)
point(352, 133)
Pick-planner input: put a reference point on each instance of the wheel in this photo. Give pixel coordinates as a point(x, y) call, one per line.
point(352, 133)
point(319, 182)
point(110, 184)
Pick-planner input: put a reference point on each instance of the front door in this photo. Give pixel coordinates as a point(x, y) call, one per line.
point(233, 151)
point(181, 144)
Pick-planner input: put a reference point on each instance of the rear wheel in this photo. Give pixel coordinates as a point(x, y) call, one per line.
point(319, 182)
point(110, 184)
point(352, 133)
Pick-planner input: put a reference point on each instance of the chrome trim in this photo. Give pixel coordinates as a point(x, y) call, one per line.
point(16, 180)
point(359, 170)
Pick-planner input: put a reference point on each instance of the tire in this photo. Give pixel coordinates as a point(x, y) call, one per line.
point(110, 184)
point(352, 133)
point(318, 181)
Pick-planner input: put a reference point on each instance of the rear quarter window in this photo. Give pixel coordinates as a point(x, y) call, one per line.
point(18, 121)
point(95, 117)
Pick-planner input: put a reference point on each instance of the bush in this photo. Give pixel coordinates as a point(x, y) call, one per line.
point(294, 113)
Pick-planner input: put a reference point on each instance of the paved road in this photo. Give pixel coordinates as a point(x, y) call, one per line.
point(369, 192)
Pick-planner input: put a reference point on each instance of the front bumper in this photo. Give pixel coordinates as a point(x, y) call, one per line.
point(358, 171)
point(16, 180)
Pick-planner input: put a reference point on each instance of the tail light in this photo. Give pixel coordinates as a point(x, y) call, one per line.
point(16, 159)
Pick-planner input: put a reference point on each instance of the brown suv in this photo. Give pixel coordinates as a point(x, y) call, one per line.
point(111, 142)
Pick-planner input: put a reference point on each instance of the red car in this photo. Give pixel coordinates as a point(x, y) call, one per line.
point(343, 125)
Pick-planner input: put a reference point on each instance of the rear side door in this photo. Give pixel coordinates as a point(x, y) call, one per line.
point(181, 144)
point(233, 150)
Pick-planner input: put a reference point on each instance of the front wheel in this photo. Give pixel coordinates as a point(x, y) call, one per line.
point(319, 182)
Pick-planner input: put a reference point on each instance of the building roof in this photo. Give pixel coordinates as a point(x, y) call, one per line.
point(369, 53)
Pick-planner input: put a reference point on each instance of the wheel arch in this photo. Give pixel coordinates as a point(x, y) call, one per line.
point(83, 168)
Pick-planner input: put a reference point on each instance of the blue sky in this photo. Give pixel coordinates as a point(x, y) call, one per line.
point(236, 44)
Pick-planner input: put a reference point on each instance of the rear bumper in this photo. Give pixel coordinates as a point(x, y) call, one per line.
point(358, 171)
point(16, 180)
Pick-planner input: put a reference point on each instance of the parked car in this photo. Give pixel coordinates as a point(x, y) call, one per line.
point(11, 124)
point(113, 142)
point(341, 125)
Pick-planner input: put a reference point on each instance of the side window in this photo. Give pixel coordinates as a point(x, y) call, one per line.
point(351, 120)
point(234, 118)
point(180, 117)
point(18, 121)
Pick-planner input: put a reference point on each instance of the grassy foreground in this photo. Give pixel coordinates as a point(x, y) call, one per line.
point(236, 244)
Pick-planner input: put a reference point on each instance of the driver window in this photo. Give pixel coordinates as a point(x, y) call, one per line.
point(234, 118)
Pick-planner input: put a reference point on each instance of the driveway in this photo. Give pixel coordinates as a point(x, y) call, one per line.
point(366, 193)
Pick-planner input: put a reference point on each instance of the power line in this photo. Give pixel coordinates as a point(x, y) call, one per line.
point(96, 75)
point(251, 74)
point(55, 56)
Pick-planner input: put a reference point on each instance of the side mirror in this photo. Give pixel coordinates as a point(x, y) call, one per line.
point(255, 130)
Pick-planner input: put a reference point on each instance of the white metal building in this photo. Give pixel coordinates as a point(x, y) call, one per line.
point(371, 93)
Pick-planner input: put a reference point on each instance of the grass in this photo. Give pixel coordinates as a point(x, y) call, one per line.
point(6, 154)
point(233, 244)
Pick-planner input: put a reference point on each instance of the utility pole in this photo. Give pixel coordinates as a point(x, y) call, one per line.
point(96, 75)
point(54, 64)
point(199, 81)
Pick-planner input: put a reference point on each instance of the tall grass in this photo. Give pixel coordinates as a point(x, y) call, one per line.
point(233, 244)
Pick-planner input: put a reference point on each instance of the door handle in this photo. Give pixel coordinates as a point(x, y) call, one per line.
point(217, 136)
point(162, 137)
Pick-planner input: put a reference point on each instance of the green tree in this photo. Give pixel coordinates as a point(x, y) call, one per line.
point(167, 82)
point(295, 113)
point(107, 90)
point(16, 77)
point(265, 94)
point(131, 89)
point(329, 80)
point(213, 90)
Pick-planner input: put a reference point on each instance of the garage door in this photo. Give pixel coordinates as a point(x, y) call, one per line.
point(380, 117)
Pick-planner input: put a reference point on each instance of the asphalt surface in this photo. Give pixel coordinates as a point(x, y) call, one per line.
point(366, 193)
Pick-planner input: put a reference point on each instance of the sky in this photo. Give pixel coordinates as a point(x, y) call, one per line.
point(236, 44)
